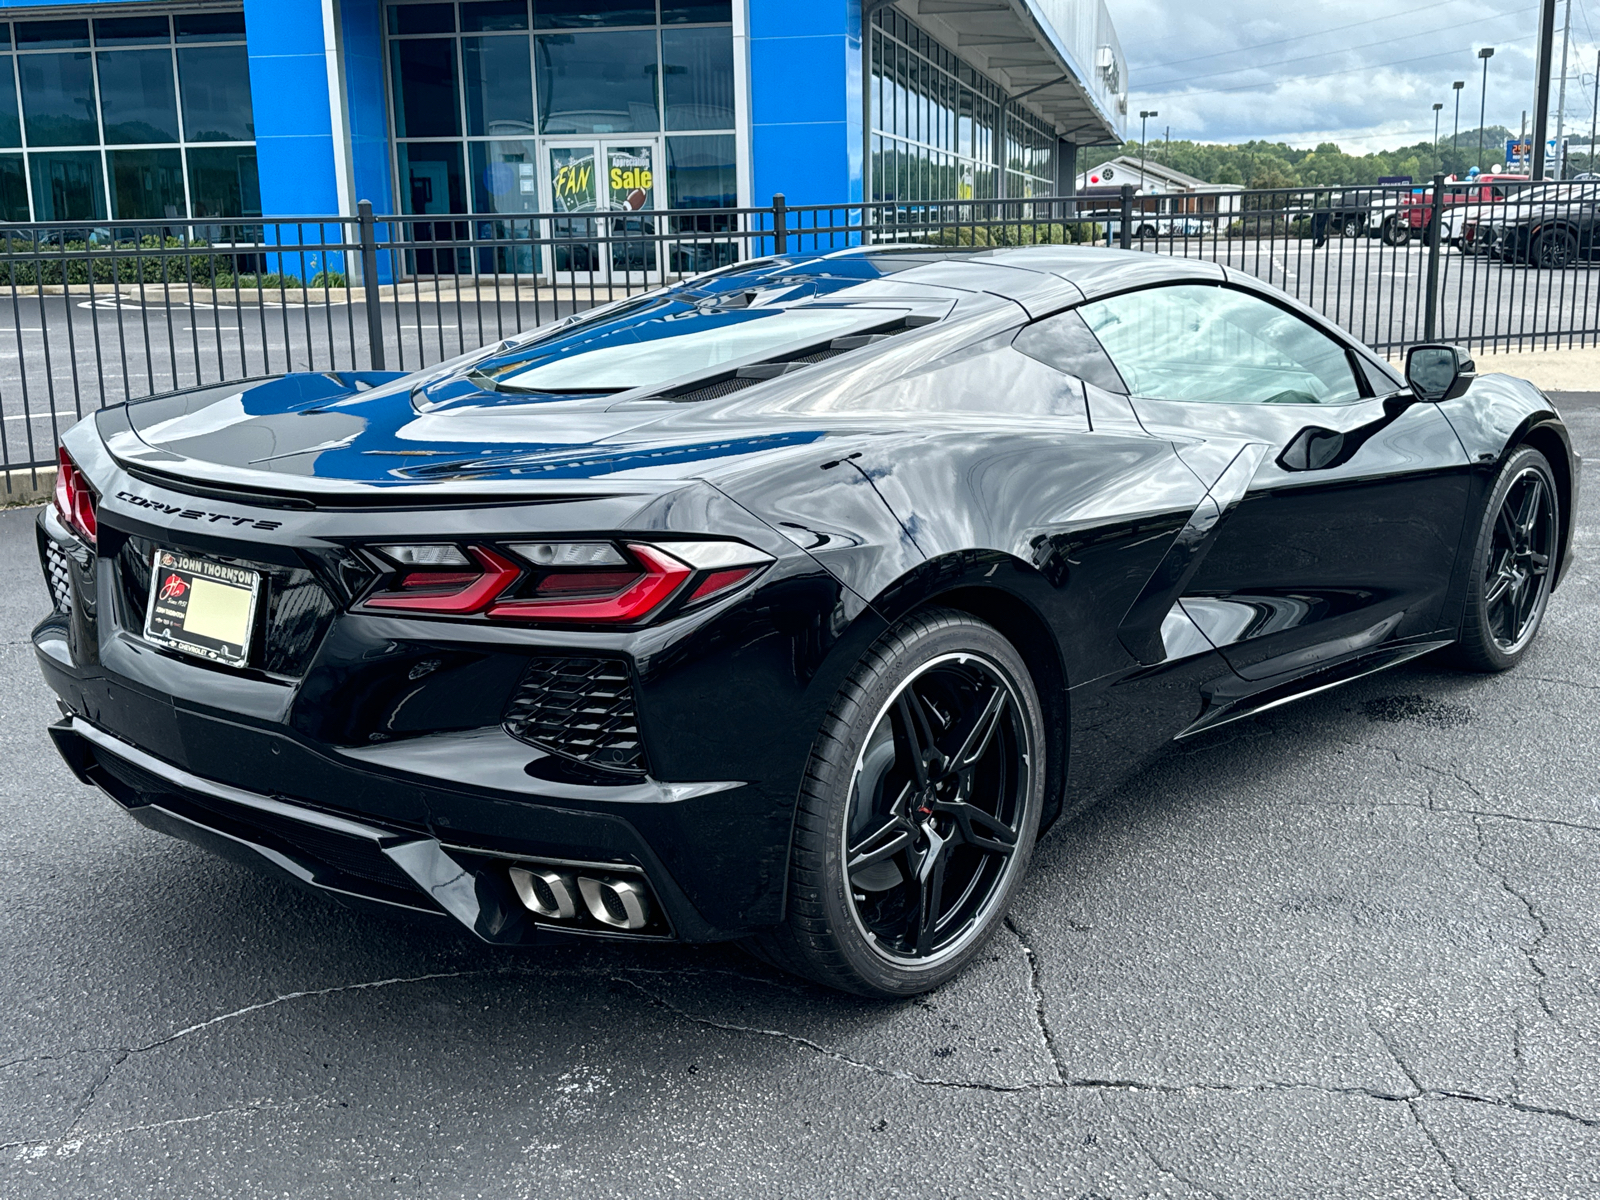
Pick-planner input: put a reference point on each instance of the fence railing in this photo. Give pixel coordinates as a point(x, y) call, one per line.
point(92, 314)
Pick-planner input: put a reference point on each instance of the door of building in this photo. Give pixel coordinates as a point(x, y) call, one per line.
point(599, 188)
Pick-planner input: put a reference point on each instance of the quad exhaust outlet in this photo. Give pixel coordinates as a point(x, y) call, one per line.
point(556, 895)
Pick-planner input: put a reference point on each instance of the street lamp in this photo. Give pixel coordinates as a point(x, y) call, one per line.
point(1436, 109)
point(1457, 85)
point(1483, 100)
point(1144, 116)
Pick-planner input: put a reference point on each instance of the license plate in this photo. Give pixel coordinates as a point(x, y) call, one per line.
point(201, 607)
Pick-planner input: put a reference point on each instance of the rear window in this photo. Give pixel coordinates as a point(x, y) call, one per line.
point(651, 352)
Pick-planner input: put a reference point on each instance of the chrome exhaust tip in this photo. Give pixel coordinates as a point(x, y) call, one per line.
point(619, 903)
point(611, 901)
point(544, 892)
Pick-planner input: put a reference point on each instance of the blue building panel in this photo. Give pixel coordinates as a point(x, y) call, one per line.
point(289, 89)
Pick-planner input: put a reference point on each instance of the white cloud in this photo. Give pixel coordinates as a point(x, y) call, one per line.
point(1364, 75)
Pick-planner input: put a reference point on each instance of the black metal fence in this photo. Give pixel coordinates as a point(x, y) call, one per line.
point(92, 315)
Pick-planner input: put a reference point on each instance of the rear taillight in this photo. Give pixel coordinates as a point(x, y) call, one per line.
point(587, 583)
point(75, 501)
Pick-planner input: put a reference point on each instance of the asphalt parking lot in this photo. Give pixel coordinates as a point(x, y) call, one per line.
point(1346, 949)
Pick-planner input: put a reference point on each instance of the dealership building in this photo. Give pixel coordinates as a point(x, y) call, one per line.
point(281, 108)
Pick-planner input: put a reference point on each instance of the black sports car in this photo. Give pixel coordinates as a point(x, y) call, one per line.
point(787, 604)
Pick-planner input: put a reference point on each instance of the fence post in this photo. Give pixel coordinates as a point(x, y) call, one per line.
point(369, 281)
point(1125, 236)
point(780, 225)
point(1430, 316)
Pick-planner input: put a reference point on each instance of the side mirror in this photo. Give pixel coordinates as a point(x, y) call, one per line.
point(1438, 372)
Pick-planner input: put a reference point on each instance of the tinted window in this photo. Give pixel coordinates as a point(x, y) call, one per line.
point(425, 88)
point(68, 186)
point(697, 70)
point(582, 14)
point(1213, 344)
point(216, 94)
point(430, 178)
point(13, 189)
point(502, 177)
point(210, 27)
point(146, 184)
point(10, 122)
point(422, 18)
point(58, 98)
point(1065, 342)
point(44, 35)
point(137, 101)
point(130, 31)
point(223, 182)
point(675, 11)
point(598, 83)
point(494, 14)
point(499, 84)
point(701, 172)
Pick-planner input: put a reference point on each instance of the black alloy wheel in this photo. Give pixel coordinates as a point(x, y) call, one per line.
point(919, 811)
point(1555, 249)
point(1513, 566)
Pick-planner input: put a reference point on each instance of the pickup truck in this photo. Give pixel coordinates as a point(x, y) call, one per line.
point(1398, 227)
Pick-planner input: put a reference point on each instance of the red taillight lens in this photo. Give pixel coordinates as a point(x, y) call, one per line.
point(454, 593)
point(75, 500)
point(635, 600)
point(719, 581)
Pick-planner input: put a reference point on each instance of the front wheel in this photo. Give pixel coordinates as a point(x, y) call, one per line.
point(1396, 231)
point(1513, 565)
point(1555, 249)
point(918, 811)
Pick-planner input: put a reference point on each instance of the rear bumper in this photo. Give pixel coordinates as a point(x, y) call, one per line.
point(350, 858)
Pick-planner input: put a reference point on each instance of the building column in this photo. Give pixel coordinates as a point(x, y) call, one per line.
point(807, 136)
point(295, 154)
point(1067, 175)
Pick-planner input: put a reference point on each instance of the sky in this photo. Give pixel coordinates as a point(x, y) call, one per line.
point(1365, 75)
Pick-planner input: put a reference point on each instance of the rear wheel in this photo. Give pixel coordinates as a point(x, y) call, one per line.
point(1396, 231)
point(1555, 249)
point(1512, 567)
point(918, 812)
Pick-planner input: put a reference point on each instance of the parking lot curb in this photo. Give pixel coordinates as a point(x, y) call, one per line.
point(25, 486)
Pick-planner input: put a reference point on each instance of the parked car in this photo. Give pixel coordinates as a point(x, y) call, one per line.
point(1553, 228)
point(788, 603)
point(1150, 225)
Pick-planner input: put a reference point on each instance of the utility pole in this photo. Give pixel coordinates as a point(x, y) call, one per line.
point(1483, 101)
point(1456, 87)
point(1541, 80)
point(1595, 118)
point(1561, 96)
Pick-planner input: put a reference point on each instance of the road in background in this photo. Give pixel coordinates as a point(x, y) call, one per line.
point(1344, 949)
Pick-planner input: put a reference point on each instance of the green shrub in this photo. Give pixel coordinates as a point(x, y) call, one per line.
point(329, 279)
point(1065, 233)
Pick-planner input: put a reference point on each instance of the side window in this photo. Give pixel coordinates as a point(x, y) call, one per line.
point(1198, 342)
point(1066, 343)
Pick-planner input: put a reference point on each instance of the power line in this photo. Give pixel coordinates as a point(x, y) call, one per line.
point(1341, 50)
point(1299, 36)
point(1246, 87)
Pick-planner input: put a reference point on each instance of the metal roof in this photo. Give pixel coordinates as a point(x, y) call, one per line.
point(1060, 58)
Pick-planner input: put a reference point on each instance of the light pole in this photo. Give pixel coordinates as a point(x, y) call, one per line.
point(1457, 85)
point(1436, 109)
point(1483, 100)
point(1144, 116)
point(1594, 118)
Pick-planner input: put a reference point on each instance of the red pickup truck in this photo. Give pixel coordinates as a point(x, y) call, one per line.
point(1483, 189)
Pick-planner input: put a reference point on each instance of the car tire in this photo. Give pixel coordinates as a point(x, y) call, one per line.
point(965, 824)
point(1396, 232)
point(1555, 250)
point(1145, 231)
point(1513, 565)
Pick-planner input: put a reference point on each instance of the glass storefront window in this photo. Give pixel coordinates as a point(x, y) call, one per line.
point(499, 86)
point(137, 101)
point(422, 18)
point(68, 186)
point(503, 177)
point(58, 98)
point(216, 94)
point(597, 83)
point(146, 185)
point(587, 14)
point(702, 172)
point(694, 12)
point(10, 120)
point(210, 27)
point(425, 103)
point(697, 77)
point(131, 31)
point(430, 178)
point(223, 182)
point(489, 16)
point(51, 35)
point(13, 189)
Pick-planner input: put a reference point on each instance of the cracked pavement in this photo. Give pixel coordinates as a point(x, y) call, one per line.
point(1346, 949)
